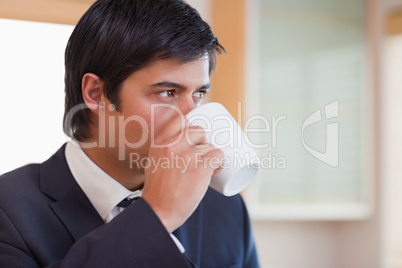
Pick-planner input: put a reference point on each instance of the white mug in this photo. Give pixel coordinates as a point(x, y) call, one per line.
point(240, 161)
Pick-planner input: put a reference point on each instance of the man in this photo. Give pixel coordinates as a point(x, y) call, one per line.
point(133, 68)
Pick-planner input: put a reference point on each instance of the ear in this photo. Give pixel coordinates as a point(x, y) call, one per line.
point(92, 92)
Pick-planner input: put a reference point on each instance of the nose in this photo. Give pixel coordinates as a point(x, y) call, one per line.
point(186, 104)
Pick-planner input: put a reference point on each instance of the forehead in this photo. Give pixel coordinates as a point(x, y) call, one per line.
point(193, 72)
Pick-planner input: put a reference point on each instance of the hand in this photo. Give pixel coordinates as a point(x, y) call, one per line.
point(175, 192)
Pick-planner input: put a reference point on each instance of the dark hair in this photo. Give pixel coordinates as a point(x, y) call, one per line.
point(115, 38)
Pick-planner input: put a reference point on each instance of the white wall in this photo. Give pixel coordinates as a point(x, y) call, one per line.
point(297, 244)
point(317, 244)
point(391, 162)
point(391, 146)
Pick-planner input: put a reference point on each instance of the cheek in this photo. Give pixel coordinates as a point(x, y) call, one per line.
point(162, 117)
point(135, 129)
point(126, 128)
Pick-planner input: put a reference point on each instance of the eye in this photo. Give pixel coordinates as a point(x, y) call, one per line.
point(167, 93)
point(200, 94)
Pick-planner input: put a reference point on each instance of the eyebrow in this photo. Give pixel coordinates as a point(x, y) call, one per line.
point(165, 84)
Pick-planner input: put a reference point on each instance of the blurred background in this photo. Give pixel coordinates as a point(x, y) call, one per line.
point(316, 83)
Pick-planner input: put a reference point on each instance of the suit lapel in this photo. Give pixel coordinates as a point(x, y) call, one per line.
point(77, 213)
point(71, 204)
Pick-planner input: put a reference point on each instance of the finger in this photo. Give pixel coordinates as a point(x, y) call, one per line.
point(195, 135)
point(190, 137)
point(217, 171)
point(214, 159)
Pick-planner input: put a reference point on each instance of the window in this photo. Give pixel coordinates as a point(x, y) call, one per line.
point(307, 77)
point(32, 87)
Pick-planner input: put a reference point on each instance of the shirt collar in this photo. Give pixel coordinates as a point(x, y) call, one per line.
point(102, 190)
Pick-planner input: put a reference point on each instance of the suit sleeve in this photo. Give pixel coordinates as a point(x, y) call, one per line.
point(13, 251)
point(136, 236)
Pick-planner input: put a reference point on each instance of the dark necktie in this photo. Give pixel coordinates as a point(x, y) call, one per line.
point(126, 202)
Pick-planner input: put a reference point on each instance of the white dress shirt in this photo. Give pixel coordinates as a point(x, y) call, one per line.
point(102, 190)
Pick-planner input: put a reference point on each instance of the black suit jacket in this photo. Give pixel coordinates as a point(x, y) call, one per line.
point(47, 220)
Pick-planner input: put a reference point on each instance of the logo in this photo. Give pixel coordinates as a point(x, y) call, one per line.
point(331, 154)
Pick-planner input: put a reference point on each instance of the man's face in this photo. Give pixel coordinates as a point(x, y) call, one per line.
point(149, 99)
